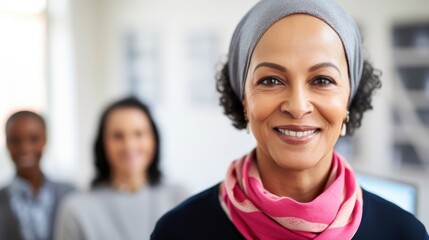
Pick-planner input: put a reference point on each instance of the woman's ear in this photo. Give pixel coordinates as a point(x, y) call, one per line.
point(244, 102)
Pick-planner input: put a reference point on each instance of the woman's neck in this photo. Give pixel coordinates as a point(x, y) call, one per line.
point(300, 185)
point(128, 182)
point(34, 177)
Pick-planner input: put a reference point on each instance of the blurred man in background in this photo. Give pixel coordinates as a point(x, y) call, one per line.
point(28, 204)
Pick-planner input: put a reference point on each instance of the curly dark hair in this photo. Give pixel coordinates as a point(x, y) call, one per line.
point(370, 81)
point(102, 167)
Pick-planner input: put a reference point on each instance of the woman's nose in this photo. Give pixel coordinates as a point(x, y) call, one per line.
point(297, 103)
point(26, 147)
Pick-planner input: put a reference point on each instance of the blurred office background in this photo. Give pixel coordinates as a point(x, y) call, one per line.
point(69, 58)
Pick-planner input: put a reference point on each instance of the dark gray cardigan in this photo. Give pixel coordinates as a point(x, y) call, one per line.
point(9, 224)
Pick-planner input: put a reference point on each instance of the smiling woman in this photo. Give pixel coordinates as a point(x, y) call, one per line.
point(296, 109)
point(296, 77)
point(128, 195)
point(28, 205)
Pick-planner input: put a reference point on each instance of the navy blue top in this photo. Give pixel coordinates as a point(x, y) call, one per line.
point(202, 217)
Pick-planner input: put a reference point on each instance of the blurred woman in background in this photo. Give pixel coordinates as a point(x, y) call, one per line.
point(28, 205)
point(127, 195)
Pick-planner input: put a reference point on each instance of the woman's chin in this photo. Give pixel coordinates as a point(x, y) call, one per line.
point(133, 170)
point(26, 164)
point(296, 161)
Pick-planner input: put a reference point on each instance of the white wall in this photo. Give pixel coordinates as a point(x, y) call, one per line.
point(199, 142)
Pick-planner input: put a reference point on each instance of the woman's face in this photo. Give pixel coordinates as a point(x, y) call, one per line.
point(297, 91)
point(26, 140)
point(129, 141)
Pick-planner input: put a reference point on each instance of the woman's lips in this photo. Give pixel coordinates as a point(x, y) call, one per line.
point(28, 160)
point(293, 134)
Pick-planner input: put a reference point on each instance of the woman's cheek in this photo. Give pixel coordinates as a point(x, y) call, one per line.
point(261, 106)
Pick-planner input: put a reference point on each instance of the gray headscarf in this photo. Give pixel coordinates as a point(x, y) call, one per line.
point(265, 13)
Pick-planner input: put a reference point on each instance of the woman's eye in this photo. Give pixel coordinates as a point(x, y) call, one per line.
point(270, 81)
point(15, 141)
point(324, 81)
point(117, 136)
point(34, 138)
point(139, 133)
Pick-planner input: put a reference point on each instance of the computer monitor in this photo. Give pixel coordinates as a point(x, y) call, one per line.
point(400, 193)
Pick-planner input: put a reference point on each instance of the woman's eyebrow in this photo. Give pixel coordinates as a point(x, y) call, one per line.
point(271, 65)
point(311, 69)
point(324, 65)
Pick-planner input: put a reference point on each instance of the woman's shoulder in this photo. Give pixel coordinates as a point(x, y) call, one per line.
point(168, 189)
point(382, 219)
point(86, 201)
point(3, 194)
point(79, 199)
point(191, 207)
point(375, 206)
point(198, 217)
point(62, 188)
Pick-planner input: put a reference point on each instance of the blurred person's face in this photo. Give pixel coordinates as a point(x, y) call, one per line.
point(129, 141)
point(296, 92)
point(26, 139)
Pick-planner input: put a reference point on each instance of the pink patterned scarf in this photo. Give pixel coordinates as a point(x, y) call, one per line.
point(334, 214)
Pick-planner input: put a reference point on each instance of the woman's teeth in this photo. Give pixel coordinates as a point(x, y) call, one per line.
point(291, 133)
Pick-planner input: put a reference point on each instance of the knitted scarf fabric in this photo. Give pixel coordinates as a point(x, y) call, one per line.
point(335, 214)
